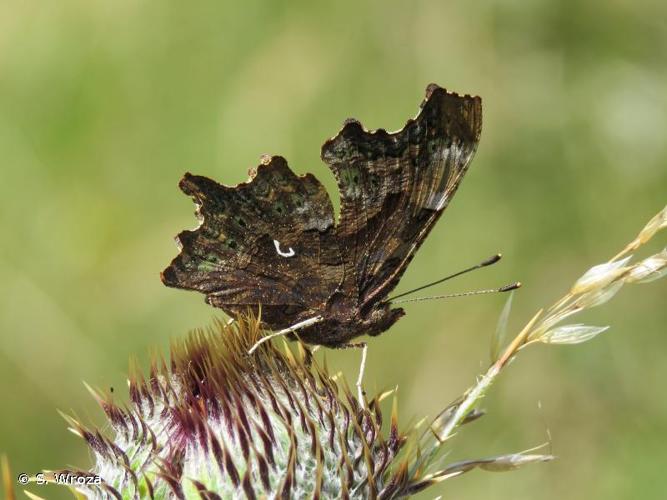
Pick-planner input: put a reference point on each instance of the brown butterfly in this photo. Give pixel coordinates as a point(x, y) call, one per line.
point(272, 242)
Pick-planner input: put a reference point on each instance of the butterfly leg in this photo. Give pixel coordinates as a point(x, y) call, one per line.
point(362, 367)
point(285, 331)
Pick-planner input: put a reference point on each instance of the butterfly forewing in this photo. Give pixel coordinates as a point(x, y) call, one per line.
point(393, 187)
point(269, 241)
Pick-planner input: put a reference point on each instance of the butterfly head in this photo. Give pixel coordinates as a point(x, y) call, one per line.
point(382, 317)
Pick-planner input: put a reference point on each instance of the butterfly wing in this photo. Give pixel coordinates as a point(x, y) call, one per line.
point(394, 186)
point(269, 241)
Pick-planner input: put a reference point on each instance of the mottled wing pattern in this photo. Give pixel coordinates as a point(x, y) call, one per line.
point(394, 186)
point(269, 241)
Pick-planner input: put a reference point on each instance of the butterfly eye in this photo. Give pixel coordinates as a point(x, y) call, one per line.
point(241, 222)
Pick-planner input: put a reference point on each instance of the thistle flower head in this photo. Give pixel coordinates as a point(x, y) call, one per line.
point(217, 423)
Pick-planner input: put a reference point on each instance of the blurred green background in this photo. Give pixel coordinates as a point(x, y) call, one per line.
point(104, 105)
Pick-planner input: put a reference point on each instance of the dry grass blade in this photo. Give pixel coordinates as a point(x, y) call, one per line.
point(500, 334)
point(7, 479)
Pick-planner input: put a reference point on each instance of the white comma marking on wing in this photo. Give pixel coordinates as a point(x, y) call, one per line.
point(289, 253)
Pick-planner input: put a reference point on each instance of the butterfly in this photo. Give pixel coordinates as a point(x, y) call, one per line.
point(272, 245)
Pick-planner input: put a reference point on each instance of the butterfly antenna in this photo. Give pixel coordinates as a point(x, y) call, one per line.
point(506, 288)
point(491, 260)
